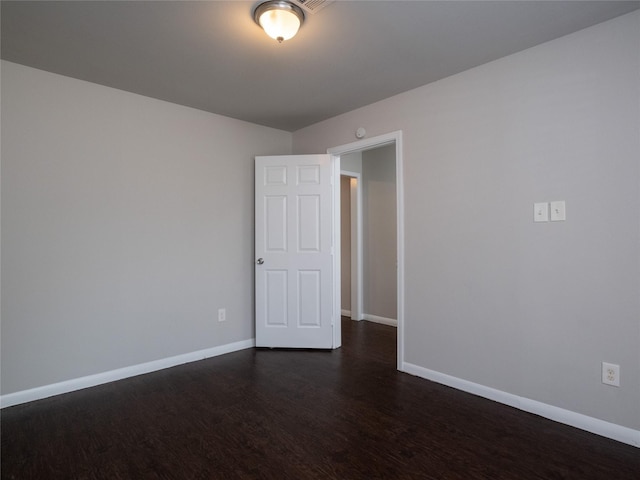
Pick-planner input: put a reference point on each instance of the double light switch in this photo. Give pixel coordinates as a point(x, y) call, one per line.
point(556, 211)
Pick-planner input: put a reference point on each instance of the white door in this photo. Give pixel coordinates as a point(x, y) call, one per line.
point(294, 262)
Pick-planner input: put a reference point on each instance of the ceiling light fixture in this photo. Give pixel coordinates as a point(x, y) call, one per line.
point(280, 19)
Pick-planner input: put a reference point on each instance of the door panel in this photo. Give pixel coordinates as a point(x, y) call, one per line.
point(276, 223)
point(294, 278)
point(309, 298)
point(309, 223)
point(276, 297)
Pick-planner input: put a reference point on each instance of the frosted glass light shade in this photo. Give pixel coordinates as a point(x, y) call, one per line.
point(279, 24)
point(279, 19)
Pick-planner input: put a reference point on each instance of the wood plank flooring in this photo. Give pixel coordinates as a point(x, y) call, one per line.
point(273, 414)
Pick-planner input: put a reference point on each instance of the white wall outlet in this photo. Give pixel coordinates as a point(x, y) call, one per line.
point(222, 314)
point(611, 374)
point(541, 212)
point(558, 211)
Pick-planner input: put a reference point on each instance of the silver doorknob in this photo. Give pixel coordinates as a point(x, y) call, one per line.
point(260, 261)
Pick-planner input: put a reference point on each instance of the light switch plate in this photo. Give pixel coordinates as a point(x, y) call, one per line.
point(541, 212)
point(558, 211)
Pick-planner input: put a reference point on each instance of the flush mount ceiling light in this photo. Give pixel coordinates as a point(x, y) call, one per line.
point(280, 19)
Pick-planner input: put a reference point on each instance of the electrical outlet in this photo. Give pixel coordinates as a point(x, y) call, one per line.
point(611, 374)
point(222, 314)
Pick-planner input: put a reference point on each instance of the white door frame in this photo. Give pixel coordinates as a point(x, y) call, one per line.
point(336, 152)
point(355, 191)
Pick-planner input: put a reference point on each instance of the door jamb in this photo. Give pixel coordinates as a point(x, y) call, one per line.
point(360, 145)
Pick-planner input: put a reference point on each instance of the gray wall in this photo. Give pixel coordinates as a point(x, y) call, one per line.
point(126, 223)
point(351, 162)
point(379, 231)
point(491, 297)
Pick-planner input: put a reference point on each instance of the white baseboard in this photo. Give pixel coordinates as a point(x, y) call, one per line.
point(578, 420)
point(383, 320)
point(67, 386)
point(345, 313)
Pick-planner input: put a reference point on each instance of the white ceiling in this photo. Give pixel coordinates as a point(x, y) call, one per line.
point(210, 55)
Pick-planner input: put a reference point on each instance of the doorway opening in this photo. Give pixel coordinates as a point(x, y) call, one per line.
point(351, 240)
point(369, 173)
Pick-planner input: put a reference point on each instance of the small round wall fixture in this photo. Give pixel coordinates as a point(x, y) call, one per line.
point(280, 19)
point(360, 132)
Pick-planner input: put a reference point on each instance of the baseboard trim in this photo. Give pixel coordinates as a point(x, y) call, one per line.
point(560, 415)
point(67, 386)
point(345, 313)
point(383, 320)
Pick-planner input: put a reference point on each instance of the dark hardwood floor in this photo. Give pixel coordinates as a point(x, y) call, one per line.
point(273, 414)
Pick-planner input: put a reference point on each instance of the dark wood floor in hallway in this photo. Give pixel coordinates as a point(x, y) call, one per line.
point(272, 414)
